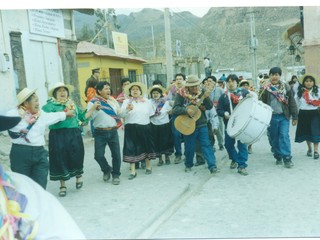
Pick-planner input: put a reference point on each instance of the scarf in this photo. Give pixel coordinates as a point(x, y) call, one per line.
point(160, 103)
point(189, 99)
point(306, 96)
point(30, 118)
point(278, 92)
point(235, 95)
point(106, 108)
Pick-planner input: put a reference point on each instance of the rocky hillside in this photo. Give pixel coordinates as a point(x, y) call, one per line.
point(223, 34)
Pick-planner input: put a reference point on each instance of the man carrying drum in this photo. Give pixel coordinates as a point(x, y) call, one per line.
point(227, 102)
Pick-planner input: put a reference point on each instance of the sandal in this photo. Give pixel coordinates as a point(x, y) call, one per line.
point(79, 184)
point(63, 191)
point(316, 155)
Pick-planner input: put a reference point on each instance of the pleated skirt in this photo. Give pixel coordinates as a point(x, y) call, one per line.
point(138, 143)
point(163, 139)
point(308, 127)
point(66, 153)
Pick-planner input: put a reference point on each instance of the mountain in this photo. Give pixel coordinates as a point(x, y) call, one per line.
point(223, 34)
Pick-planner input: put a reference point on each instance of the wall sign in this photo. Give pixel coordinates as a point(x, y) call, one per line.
point(46, 22)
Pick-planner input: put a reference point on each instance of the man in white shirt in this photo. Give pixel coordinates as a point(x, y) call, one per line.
point(106, 123)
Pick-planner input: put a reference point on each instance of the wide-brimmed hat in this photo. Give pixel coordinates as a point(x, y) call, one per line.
point(24, 94)
point(192, 80)
point(243, 81)
point(159, 87)
point(308, 75)
point(139, 84)
point(8, 122)
point(59, 85)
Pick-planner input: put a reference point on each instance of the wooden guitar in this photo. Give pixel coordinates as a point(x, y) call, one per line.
point(186, 124)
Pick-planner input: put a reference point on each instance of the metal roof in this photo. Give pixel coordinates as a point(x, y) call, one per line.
point(90, 48)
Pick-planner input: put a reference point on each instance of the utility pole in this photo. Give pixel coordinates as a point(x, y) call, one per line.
point(253, 47)
point(153, 49)
point(167, 31)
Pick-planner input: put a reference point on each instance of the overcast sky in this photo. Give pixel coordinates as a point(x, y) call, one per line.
point(199, 12)
point(198, 7)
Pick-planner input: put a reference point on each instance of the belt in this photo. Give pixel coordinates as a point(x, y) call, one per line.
point(106, 129)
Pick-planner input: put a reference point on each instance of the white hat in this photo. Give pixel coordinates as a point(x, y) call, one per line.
point(192, 80)
point(139, 84)
point(59, 85)
point(24, 94)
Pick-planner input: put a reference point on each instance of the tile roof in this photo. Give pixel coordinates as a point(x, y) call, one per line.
point(87, 47)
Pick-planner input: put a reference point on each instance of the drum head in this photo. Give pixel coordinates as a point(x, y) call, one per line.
point(240, 117)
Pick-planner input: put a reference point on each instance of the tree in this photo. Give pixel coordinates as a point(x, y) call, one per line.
point(106, 22)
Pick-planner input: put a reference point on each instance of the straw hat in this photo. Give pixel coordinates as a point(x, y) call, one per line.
point(192, 80)
point(59, 85)
point(24, 94)
point(159, 87)
point(243, 81)
point(308, 75)
point(139, 84)
point(8, 122)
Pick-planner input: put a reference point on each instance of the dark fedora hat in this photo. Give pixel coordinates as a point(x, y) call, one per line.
point(8, 122)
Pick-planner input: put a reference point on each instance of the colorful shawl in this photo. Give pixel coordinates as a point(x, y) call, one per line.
point(160, 103)
point(105, 106)
point(278, 91)
point(306, 96)
point(29, 118)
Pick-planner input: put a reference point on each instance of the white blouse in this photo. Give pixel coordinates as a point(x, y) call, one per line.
point(163, 117)
point(36, 133)
point(302, 104)
point(141, 112)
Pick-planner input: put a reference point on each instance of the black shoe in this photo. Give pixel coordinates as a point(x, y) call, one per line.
point(278, 162)
point(160, 163)
point(168, 162)
point(187, 169)
point(148, 171)
point(243, 171)
point(316, 155)
point(115, 181)
point(132, 176)
point(309, 153)
point(106, 176)
point(214, 170)
point(199, 163)
point(233, 164)
point(288, 164)
point(177, 160)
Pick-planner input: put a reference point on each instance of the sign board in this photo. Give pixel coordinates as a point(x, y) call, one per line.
point(120, 41)
point(46, 22)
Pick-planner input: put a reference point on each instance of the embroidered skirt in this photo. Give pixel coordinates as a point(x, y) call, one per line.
point(138, 143)
point(163, 139)
point(66, 153)
point(308, 127)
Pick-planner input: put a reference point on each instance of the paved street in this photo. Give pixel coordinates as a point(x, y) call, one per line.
point(271, 201)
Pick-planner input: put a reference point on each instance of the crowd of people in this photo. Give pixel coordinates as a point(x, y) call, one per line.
point(156, 122)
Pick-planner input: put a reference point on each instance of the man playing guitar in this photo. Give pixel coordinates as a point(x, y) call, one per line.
point(186, 105)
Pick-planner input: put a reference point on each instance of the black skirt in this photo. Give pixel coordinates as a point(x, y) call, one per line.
point(66, 153)
point(138, 143)
point(163, 139)
point(308, 128)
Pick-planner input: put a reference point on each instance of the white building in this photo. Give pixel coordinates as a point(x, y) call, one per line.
point(37, 49)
